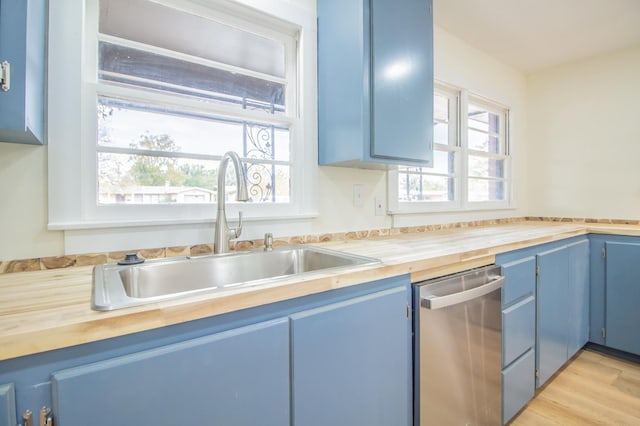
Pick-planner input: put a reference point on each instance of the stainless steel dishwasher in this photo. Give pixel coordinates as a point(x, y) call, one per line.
point(458, 349)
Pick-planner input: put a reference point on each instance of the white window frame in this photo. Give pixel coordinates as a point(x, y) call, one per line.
point(71, 121)
point(503, 112)
point(459, 99)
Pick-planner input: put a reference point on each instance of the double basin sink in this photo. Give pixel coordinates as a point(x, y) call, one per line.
point(116, 286)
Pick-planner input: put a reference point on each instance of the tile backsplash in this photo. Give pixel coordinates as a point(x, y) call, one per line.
point(57, 262)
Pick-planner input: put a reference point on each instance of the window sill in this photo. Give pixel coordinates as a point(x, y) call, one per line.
point(72, 226)
point(94, 237)
point(402, 218)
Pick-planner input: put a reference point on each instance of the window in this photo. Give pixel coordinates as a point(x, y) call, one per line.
point(171, 103)
point(163, 90)
point(471, 158)
point(487, 157)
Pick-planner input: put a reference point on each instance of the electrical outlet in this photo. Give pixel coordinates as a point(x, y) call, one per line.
point(358, 197)
point(379, 208)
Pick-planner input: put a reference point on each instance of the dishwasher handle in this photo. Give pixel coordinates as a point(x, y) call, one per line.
point(437, 302)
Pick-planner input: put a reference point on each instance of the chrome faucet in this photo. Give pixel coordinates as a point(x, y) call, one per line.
point(223, 232)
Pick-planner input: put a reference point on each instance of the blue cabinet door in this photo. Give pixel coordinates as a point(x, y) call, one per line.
point(518, 330)
point(578, 306)
point(351, 362)
point(552, 314)
point(7, 405)
point(596, 289)
point(402, 80)
point(623, 296)
point(22, 46)
point(375, 83)
point(236, 377)
point(518, 385)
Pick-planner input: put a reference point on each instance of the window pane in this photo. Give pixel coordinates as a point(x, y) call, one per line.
point(486, 190)
point(268, 183)
point(480, 141)
point(125, 124)
point(426, 188)
point(481, 119)
point(486, 167)
point(441, 108)
point(139, 68)
point(157, 25)
point(441, 119)
point(138, 179)
point(441, 133)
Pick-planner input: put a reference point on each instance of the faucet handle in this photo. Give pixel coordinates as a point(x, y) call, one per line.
point(268, 241)
point(235, 232)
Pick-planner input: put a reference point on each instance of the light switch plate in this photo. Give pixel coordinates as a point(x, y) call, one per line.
point(358, 197)
point(379, 208)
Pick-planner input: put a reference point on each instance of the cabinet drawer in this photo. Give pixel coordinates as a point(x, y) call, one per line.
point(518, 385)
point(518, 329)
point(520, 276)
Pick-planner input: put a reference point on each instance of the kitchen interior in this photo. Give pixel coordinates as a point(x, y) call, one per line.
point(463, 315)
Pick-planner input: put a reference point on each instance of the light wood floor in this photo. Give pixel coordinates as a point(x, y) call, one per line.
point(593, 389)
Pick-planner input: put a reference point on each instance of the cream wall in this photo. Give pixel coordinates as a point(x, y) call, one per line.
point(23, 169)
point(584, 138)
point(23, 204)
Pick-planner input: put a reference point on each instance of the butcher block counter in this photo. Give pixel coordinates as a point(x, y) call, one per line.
point(45, 310)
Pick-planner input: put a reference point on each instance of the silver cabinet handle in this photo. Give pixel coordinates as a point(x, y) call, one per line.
point(437, 302)
point(5, 76)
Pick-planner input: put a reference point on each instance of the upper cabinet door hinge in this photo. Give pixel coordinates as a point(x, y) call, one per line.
point(604, 332)
point(408, 311)
point(537, 271)
point(5, 76)
point(604, 252)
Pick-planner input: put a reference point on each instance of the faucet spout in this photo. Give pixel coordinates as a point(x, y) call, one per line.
point(222, 231)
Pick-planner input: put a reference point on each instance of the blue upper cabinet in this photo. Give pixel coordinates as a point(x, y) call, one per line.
point(375, 83)
point(22, 47)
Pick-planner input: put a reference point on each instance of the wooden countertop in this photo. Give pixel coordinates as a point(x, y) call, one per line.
point(47, 310)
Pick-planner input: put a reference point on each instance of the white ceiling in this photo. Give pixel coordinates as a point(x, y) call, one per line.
point(532, 35)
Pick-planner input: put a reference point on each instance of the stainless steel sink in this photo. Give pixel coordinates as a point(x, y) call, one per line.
point(116, 286)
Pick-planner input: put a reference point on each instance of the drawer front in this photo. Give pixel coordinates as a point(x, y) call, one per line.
point(520, 278)
point(518, 385)
point(518, 329)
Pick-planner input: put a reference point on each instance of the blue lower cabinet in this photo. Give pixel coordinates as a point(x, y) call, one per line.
point(7, 405)
point(237, 377)
point(518, 385)
point(340, 357)
point(545, 315)
point(552, 316)
point(622, 286)
point(518, 330)
point(578, 306)
point(351, 362)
